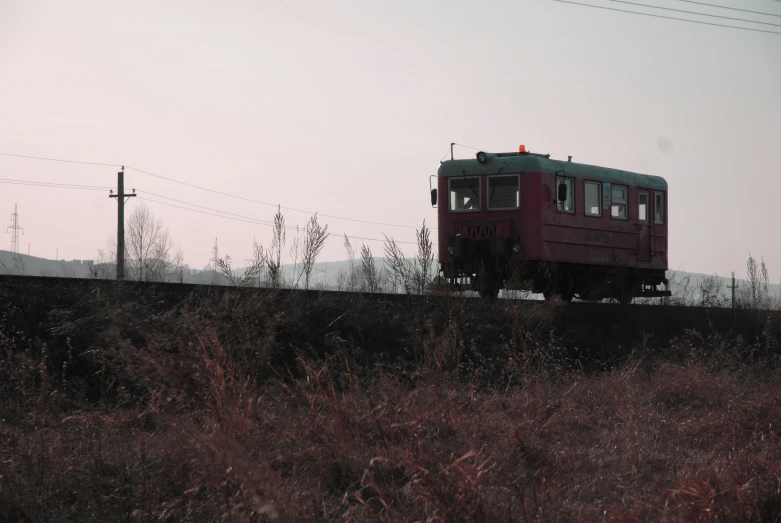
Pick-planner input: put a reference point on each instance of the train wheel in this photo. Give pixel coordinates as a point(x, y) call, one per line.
point(626, 293)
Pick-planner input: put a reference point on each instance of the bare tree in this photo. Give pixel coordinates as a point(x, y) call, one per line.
point(295, 252)
point(371, 280)
point(752, 274)
point(424, 258)
point(351, 277)
point(764, 279)
point(148, 246)
point(225, 267)
point(314, 240)
point(712, 291)
point(235, 277)
point(681, 289)
point(274, 258)
point(250, 275)
point(756, 295)
point(258, 262)
point(174, 270)
point(400, 274)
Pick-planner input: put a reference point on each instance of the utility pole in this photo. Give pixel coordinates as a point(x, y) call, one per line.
point(215, 255)
point(733, 287)
point(120, 196)
point(15, 228)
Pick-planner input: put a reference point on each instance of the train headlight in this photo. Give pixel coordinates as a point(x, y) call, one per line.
point(450, 251)
point(516, 248)
point(482, 157)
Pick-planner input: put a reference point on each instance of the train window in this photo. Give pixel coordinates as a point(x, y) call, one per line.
point(566, 205)
point(593, 197)
point(618, 202)
point(659, 207)
point(642, 206)
point(465, 194)
point(504, 192)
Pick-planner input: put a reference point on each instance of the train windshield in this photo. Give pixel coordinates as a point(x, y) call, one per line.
point(504, 192)
point(465, 194)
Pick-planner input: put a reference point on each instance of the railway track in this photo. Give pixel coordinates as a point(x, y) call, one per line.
point(182, 289)
point(597, 328)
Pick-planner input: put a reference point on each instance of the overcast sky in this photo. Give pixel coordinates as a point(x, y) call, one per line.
point(346, 108)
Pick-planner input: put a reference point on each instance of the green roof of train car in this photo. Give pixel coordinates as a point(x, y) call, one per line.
point(521, 163)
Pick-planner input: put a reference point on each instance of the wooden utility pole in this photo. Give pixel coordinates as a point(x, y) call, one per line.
point(120, 196)
point(733, 287)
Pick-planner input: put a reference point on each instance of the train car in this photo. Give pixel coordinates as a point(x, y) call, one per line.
point(524, 221)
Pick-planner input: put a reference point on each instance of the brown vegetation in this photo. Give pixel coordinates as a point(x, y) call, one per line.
point(253, 406)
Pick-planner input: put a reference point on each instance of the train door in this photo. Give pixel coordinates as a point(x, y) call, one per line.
point(643, 228)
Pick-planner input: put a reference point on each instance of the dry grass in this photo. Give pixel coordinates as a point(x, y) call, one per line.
point(234, 411)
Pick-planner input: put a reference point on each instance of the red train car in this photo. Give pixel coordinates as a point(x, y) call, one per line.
point(525, 221)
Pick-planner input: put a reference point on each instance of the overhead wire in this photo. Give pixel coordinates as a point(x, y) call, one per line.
point(59, 160)
point(216, 212)
point(267, 203)
point(173, 180)
point(669, 17)
point(731, 8)
point(54, 185)
point(250, 220)
point(695, 13)
point(256, 221)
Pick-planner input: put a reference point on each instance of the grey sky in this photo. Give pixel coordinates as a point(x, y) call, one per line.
point(346, 107)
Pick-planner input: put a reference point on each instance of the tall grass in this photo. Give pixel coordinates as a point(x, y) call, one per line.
point(283, 408)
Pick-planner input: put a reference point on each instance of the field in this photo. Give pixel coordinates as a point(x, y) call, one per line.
point(255, 406)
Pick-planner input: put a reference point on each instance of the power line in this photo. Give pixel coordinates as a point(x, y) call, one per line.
point(669, 17)
point(250, 220)
point(696, 13)
point(731, 8)
point(53, 185)
point(216, 212)
point(240, 217)
point(267, 203)
point(267, 224)
point(59, 160)
point(208, 190)
point(258, 220)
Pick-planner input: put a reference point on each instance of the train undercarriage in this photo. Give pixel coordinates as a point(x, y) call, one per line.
point(492, 265)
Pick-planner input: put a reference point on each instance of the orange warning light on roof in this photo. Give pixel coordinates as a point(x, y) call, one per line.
point(522, 149)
